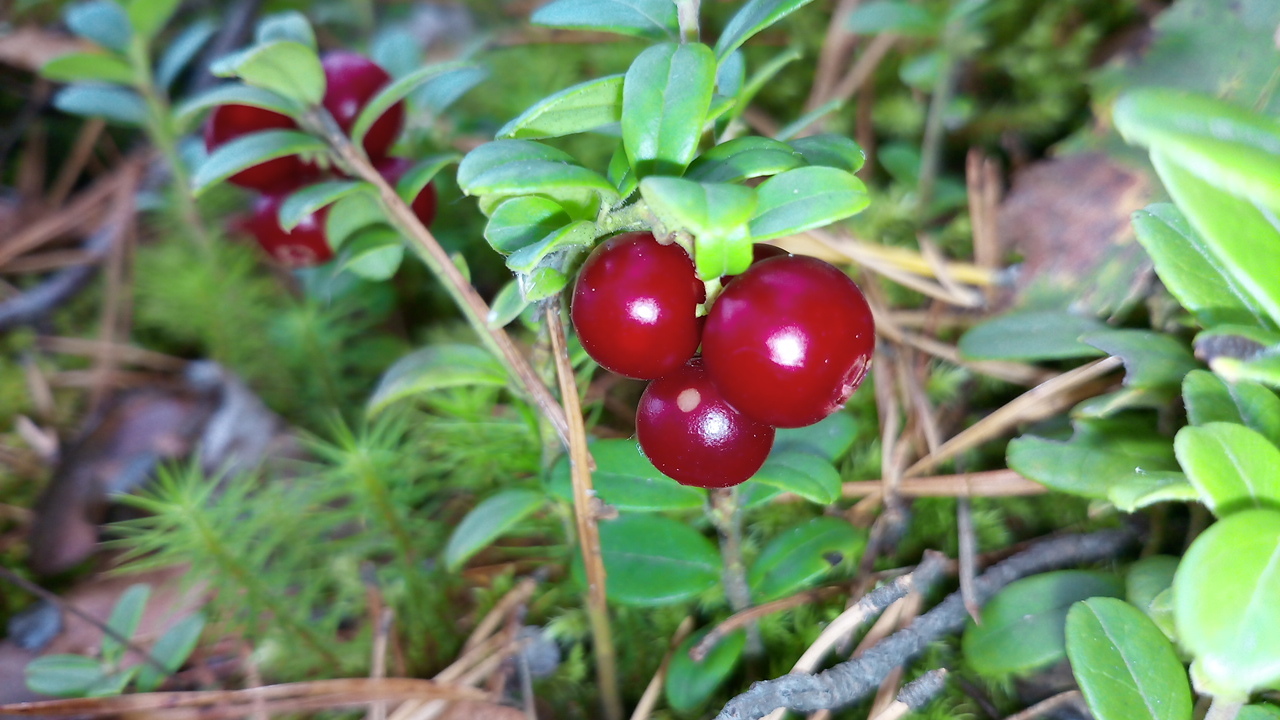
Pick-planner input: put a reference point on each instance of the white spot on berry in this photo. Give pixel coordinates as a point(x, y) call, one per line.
point(688, 399)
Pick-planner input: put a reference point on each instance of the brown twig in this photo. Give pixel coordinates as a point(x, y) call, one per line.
point(86, 139)
point(130, 354)
point(517, 595)
point(649, 699)
point(113, 312)
point(968, 545)
point(1048, 705)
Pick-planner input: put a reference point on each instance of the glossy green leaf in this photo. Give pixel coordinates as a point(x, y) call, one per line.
point(665, 98)
point(1133, 492)
point(803, 473)
point(311, 198)
point(124, 619)
point(285, 67)
point(583, 107)
point(642, 18)
point(744, 158)
point(829, 438)
point(543, 283)
point(249, 150)
point(731, 75)
point(231, 94)
point(504, 168)
point(894, 16)
point(690, 684)
point(492, 156)
point(625, 479)
point(435, 367)
point(522, 221)
point(488, 521)
point(1225, 607)
point(442, 91)
point(506, 306)
point(288, 25)
point(1259, 712)
point(116, 104)
point(1023, 627)
point(793, 128)
point(350, 214)
point(171, 650)
point(422, 172)
point(799, 556)
point(767, 72)
point(182, 50)
point(88, 67)
point(1147, 578)
point(1110, 404)
point(374, 253)
point(1151, 359)
point(1031, 336)
point(1126, 667)
point(101, 21)
point(1191, 271)
point(653, 560)
point(715, 214)
point(751, 18)
point(830, 150)
point(63, 675)
point(574, 235)
point(1233, 467)
point(1264, 369)
point(1090, 466)
point(620, 173)
point(148, 17)
point(1210, 399)
point(112, 684)
point(397, 91)
point(805, 198)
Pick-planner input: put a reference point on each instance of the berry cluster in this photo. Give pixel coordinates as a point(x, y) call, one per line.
point(351, 81)
point(784, 345)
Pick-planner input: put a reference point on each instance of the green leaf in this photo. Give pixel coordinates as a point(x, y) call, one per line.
point(1265, 369)
point(1259, 712)
point(652, 560)
point(88, 67)
point(1023, 626)
point(442, 91)
point(1126, 667)
point(665, 98)
point(353, 212)
point(543, 283)
point(435, 367)
point(731, 75)
point(620, 173)
point(1031, 336)
point(397, 91)
point(124, 619)
point(285, 67)
point(116, 104)
point(231, 94)
point(1134, 492)
point(374, 253)
point(751, 18)
point(797, 557)
point(492, 156)
point(574, 235)
point(583, 107)
point(1224, 603)
point(830, 150)
point(625, 479)
point(1244, 238)
point(421, 173)
point(101, 21)
point(744, 158)
point(148, 17)
point(1151, 359)
point(805, 198)
point(249, 150)
point(690, 684)
point(811, 477)
point(1209, 399)
point(504, 168)
point(715, 214)
point(828, 438)
point(1086, 466)
point(793, 128)
point(289, 25)
point(523, 221)
point(63, 675)
point(1147, 578)
point(171, 650)
point(1233, 467)
point(642, 18)
point(113, 684)
point(182, 50)
point(488, 521)
point(507, 305)
point(894, 16)
point(311, 198)
point(1192, 272)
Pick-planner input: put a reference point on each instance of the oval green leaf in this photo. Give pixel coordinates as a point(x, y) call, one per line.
point(690, 684)
point(124, 619)
point(63, 675)
point(803, 473)
point(249, 150)
point(830, 437)
point(1023, 626)
point(894, 16)
point(182, 50)
point(1225, 607)
point(88, 67)
point(1233, 467)
point(1031, 335)
point(665, 98)
point(148, 17)
point(1210, 399)
point(583, 107)
point(1147, 578)
point(507, 305)
point(311, 198)
point(527, 259)
point(1084, 468)
point(232, 94)
point(285, 67)
point(171, 650)
point(101, 21)
point(1126, 667)
point(744, 158)
point(751, 18)
point(374, 253)
point(830, 150)
point(1151, 359)
point(1140, 489)
point(435, 367)
point(801, 555)
point(113, 103)
point(351, 214)
point(654, 19)
point(421, 173)
point(523, 221)
point(805, 198)
point(653, 560)
point(287, 25)
point(625, 479)
point(398, 90)
point(488, 521)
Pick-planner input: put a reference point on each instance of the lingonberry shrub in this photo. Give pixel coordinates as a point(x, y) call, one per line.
point(278, 175)
point(303, 246)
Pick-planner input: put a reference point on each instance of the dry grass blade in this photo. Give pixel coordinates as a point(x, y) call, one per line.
point(866, 64)
point(128, 354)
point(991, 483)
point(842, 246)
point(518, 595)
point(1047, 706)
point(1012, 372)
point(751, 614)
point(649, 700)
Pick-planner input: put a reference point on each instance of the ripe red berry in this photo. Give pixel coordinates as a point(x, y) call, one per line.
point(280, 175)
point(690, 433)
point(789, 341)
point(351, 81)
point(304, 246)
point(424, 205)
point(634, 306)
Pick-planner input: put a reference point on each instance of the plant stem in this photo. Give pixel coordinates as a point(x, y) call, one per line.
point(687, 16)
point(931, 148)
point(726, 515)
point(588, 532)
point(473, 307)
point(1223, 709)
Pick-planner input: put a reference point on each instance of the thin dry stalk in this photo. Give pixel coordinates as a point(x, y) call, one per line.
point(942, 271)
point(114, 313)
point(588, 532)
point(866, 64)
point(836, 49)
point(383, 618)
point(652, 691)
point(982, 175)
point(841, 245)
point(745, 617)
point(38, 389)
point(126, 354)
point(990, 483)
point(86, 139)
point(84, 210)
point(253, 679)
point(1044, 707)
point(55, 260)
point(515, 597)
point(432, 709)
point(968, 544)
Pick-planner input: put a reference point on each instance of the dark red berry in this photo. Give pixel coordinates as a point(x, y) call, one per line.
point(424, 205)
point(634, 306)
point(789, 341)
point(759, 253)
point(351, 82)
point(280, 175)
point(304, 246)
point(690, 433)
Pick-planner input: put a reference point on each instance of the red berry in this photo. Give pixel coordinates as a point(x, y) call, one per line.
point(351, 82)
point(304, 246)
point(280, 175)
point(424, 205)
point(634, 306)
point(759, 253)
point(691, 434)
point(789, 341)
